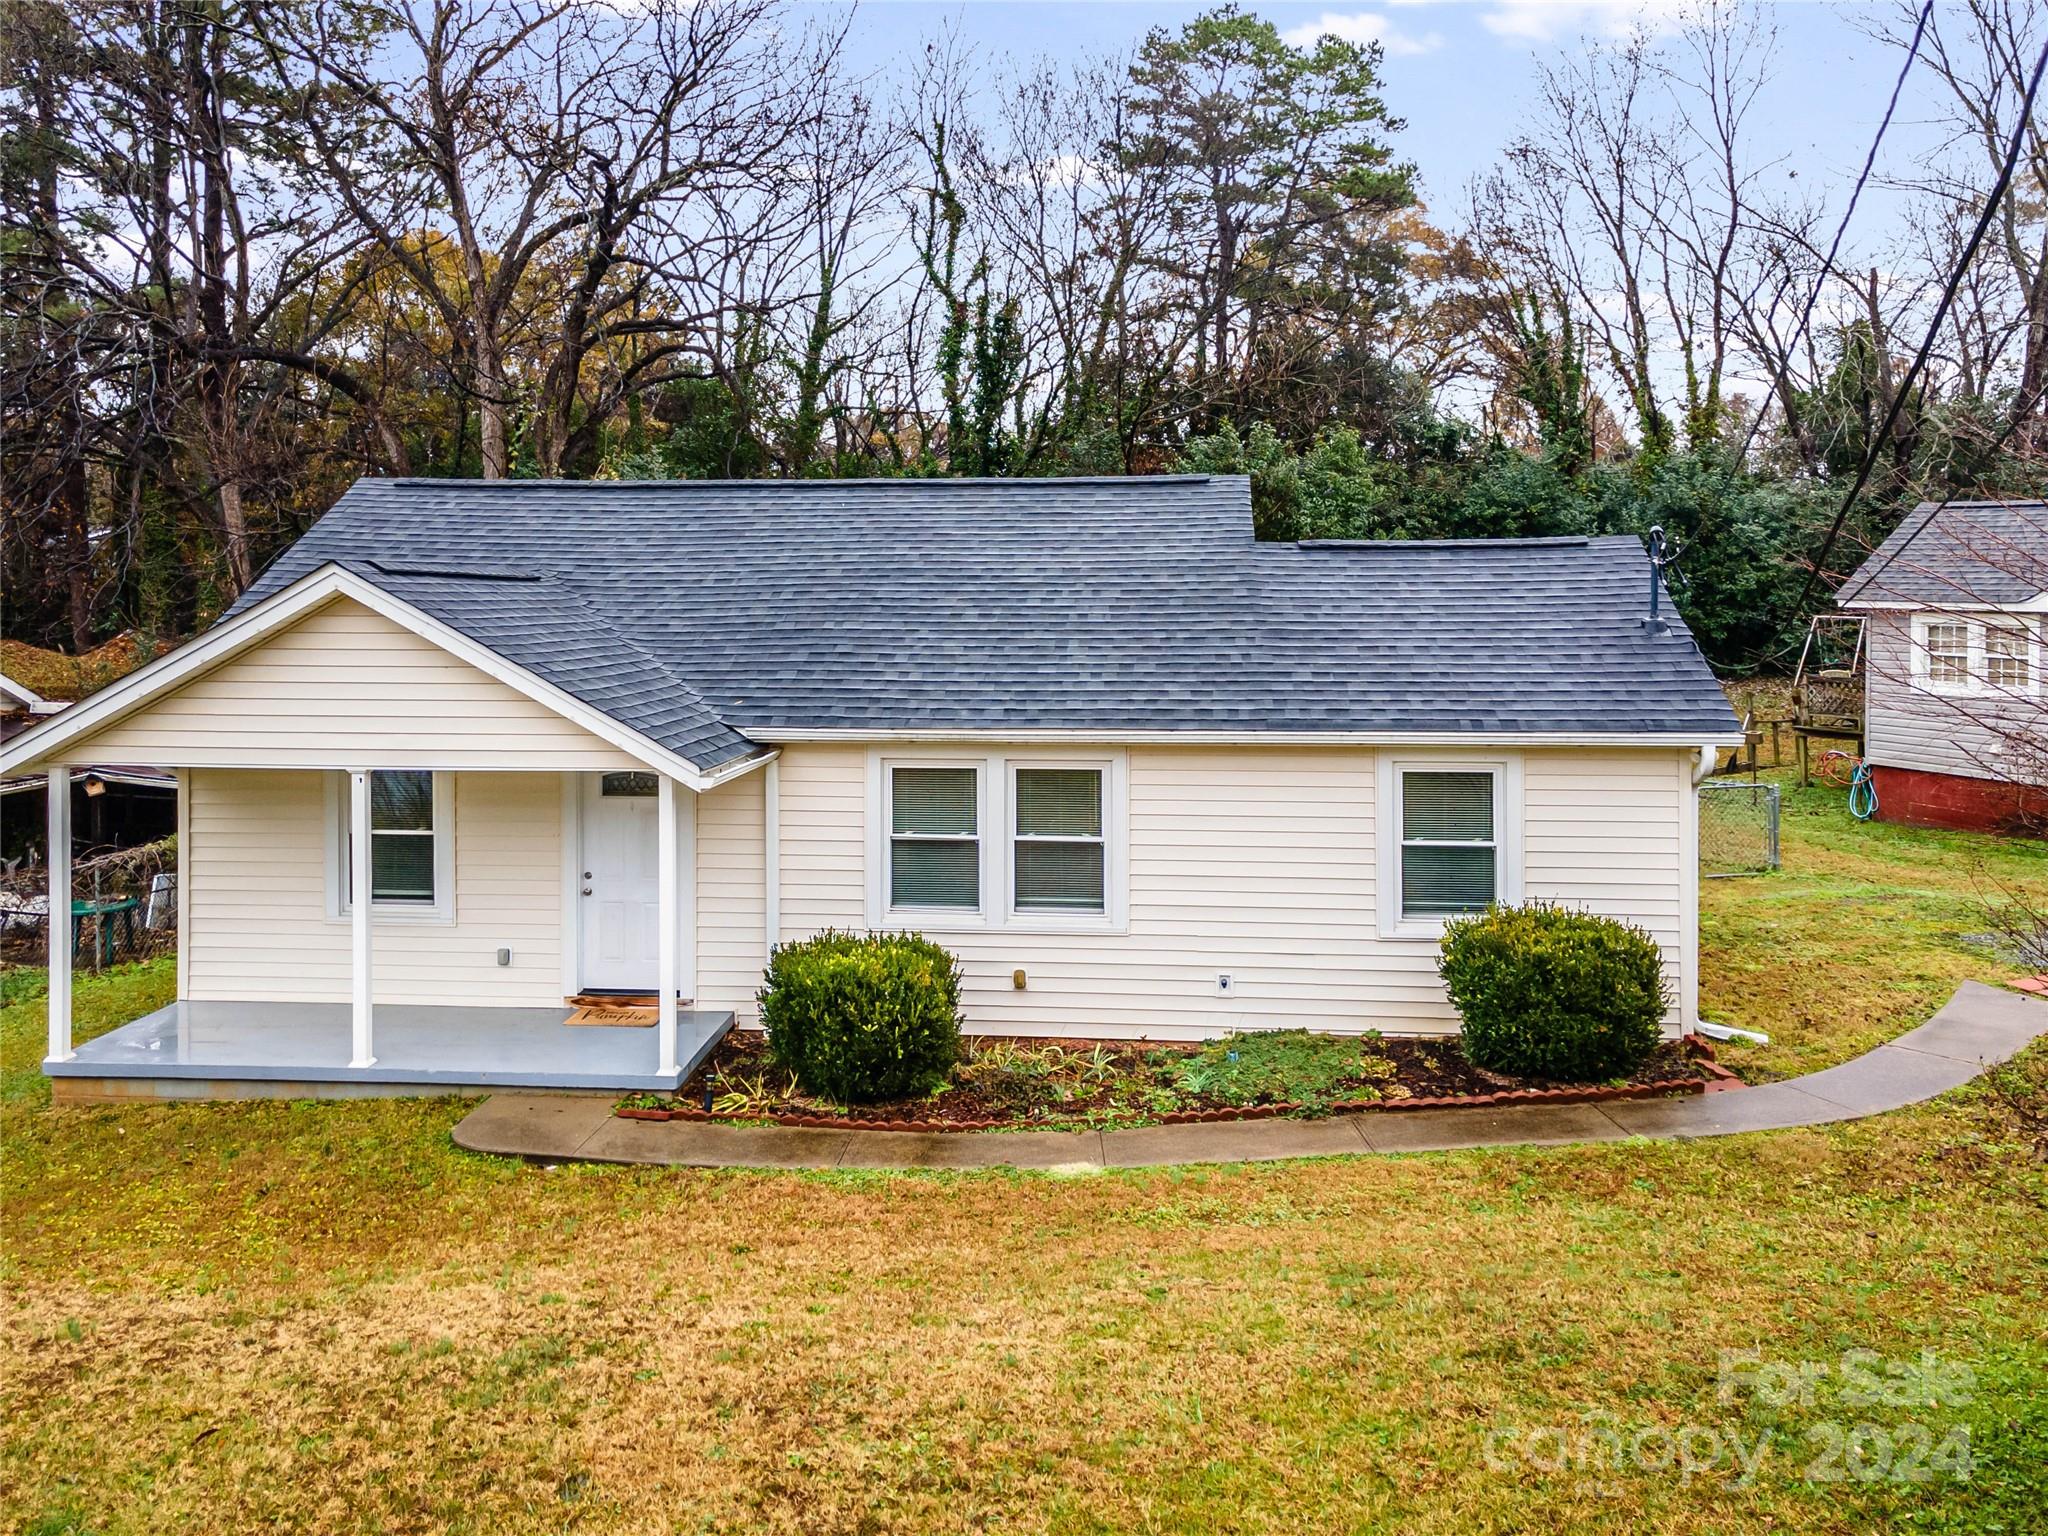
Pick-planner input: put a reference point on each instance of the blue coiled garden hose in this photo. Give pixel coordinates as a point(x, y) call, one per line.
point(1862, 793)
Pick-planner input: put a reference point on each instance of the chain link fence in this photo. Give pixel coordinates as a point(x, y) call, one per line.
point(1738, 829)
point(124, 907)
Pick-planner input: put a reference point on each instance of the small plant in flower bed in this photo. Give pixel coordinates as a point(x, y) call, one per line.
point(1547, 992)
point(1050, 1084)
point(1286, 1066)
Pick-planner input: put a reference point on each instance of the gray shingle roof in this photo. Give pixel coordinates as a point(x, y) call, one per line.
point(698, 612)
point(541, 624)
point(1966, 552)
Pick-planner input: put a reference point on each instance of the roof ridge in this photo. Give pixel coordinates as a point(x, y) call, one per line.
point(1542, 541)
point(789, 482)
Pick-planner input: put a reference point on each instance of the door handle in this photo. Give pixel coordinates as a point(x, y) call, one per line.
point(586, 890)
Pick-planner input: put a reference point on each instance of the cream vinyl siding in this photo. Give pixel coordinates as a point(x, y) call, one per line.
point(255, 866)
point(732, 901)
point(1259, 862)
point(346, 685)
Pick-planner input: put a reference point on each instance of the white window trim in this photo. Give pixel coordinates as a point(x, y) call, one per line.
point(1975, 631)
point(1981, 638)
point(938, 917)
point(1507, 834)
point(996, 828)
point(442, 908)
point(1055, 919)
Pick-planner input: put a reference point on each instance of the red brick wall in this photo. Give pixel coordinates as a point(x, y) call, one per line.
point(1967, 805)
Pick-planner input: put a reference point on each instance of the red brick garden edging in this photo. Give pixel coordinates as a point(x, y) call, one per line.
point(1719, 1078)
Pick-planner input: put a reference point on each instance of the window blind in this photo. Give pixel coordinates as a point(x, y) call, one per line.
point(1447, 853)
point(934, 849)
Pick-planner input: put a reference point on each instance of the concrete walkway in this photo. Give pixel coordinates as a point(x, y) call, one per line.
point(1979, 1027)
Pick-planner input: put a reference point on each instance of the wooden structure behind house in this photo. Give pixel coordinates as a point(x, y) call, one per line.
point(114, 806)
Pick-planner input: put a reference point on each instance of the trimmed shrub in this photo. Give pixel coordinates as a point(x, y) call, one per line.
point(1549, 992)
point(862, 1019)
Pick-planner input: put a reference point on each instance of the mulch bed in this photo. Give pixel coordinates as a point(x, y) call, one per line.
point(1429, 1074)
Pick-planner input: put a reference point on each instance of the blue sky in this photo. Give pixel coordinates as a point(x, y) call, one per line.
point(1463, 74)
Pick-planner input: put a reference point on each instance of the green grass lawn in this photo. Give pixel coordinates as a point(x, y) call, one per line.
point(323, 1317)
point(1863, 933)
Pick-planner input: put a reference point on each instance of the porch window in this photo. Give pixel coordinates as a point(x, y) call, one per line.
point(411, 847)
point(1058, 847)
point(1449, 854)
point(401, 836)
point(935, 839)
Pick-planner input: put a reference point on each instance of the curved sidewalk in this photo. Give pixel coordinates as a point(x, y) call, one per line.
point(1980, 1026)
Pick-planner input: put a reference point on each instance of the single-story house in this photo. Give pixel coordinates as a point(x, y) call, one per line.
point(1956, 720)
point(1146, 776)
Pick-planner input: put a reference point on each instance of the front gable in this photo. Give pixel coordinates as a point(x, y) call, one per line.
point(345, 684)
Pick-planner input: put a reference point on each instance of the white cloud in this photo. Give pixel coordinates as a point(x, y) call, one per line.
point(1545, 20)
point(1362, 27)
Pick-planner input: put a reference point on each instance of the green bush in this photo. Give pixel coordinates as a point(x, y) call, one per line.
point(1549, 992)
point(863, 1019)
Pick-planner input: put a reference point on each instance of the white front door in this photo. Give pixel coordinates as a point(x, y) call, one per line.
point(621, 885)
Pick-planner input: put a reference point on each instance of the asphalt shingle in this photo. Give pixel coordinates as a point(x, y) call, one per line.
point(698, 612)
point(1965, 552)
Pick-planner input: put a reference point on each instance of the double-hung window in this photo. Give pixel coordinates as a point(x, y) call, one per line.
point(1948, 653)
point(1023, 840)
point(1058, 861)
point(1996, 654)
point(1449, 842)
point(935, 839)
point(2008, 655)
point(411, 825)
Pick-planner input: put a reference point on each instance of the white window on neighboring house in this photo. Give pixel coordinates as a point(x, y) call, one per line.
point(2008, 655)
point(411, 844)
point(934, 839)
point(1947, 646)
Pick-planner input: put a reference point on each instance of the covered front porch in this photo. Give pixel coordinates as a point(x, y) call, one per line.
point(222, 1049)
point(461, 972)
point(408, 841)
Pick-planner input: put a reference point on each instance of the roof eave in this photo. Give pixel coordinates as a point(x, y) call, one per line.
point(42, 744)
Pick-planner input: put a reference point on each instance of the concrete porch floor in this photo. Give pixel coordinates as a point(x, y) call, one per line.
point(188, 1048)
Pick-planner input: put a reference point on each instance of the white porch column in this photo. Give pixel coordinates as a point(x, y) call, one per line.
point(359, 915)
point(771, 851)
point(60, 914)
point(668, 855)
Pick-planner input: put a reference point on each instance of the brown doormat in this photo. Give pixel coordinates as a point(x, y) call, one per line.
point(612, 1000)
point(613, 1018)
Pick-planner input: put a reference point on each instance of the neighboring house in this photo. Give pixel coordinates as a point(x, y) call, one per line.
point(1954, 604)
point(112, 806)
point(1146, 777)
point(21, 706)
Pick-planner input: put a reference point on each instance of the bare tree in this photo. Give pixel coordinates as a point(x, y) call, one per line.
point(545, 135)
point(1983, 65)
